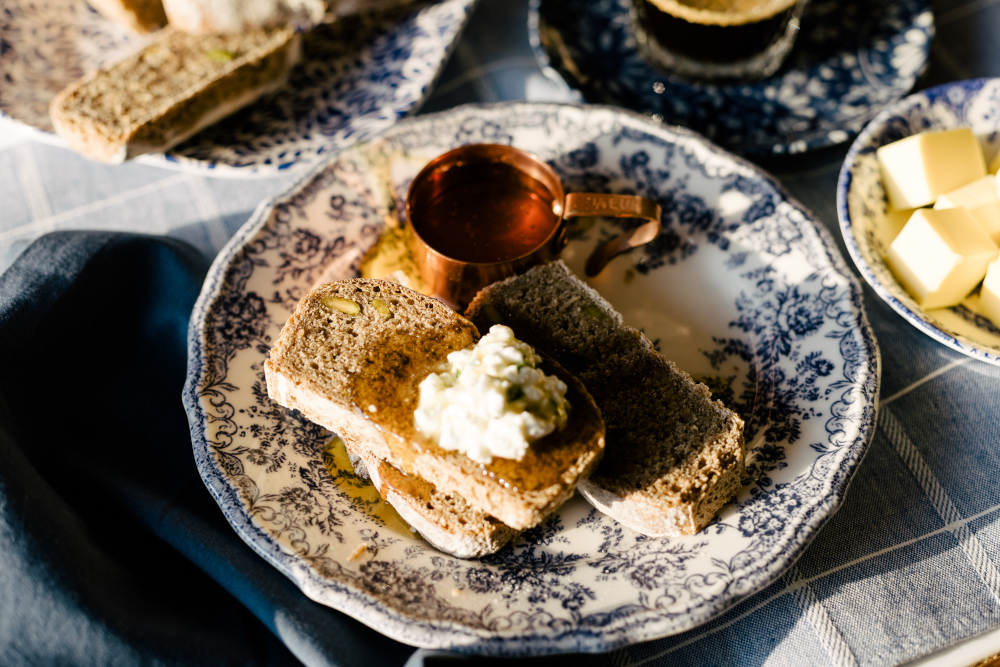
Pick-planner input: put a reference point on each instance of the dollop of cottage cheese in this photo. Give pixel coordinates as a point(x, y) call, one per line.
point(490, 400)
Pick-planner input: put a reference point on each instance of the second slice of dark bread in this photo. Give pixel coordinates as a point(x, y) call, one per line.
point(673, 456)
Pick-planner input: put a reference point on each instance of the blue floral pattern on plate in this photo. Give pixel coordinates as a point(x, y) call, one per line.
point(863, 209)
point(851, 60)
point(359, 75)
point(743, 289)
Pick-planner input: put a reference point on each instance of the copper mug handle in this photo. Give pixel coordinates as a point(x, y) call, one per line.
point(588, 204)
point(457, 281)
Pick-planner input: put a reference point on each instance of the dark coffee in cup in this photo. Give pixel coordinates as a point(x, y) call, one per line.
point(717, 39)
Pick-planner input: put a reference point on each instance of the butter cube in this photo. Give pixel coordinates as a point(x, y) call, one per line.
point(994, 164)
point(893, 224)
point(980, 199)
point(918, 169)
point(940, 256)
point(989, 296)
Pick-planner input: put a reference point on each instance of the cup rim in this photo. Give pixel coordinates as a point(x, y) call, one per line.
point(715, 17)
point(559, 196)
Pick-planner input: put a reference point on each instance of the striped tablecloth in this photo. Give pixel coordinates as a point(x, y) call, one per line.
point(911, 563)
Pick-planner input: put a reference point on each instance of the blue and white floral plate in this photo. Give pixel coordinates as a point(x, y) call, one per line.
point(869, 228)
point(744, 289)
point(851, 60)
point(358, 76)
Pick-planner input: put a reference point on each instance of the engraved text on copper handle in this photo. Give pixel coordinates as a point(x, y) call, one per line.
point(617, 206)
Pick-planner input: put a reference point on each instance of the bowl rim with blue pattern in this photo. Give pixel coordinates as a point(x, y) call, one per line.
point(578, 582)
point(968, 103)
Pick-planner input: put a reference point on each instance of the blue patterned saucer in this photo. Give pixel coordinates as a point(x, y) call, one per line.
point(868, 228)
point(358, 76)
point(743, 289)
point(851, 60)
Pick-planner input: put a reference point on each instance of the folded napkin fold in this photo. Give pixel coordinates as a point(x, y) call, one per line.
point(113, 550)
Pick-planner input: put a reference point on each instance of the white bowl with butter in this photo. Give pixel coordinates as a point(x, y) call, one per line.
point(870, 224)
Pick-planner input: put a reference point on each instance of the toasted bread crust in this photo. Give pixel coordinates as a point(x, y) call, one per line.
point(445, 520)
point(357, 373)
point(674, 456)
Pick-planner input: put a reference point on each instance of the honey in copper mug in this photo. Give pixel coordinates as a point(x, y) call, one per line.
point(489, 212)
point(717, 40)
point(485, 212)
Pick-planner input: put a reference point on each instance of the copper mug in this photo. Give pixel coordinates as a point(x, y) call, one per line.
point(484, 212)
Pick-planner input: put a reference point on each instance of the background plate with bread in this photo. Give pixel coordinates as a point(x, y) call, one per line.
point(356, 75)
point(743, 289)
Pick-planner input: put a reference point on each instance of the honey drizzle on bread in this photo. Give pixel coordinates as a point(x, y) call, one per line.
point(336, 366)
point(389, 380)
point(443, 519)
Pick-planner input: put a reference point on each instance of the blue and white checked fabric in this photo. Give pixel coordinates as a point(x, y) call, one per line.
point(911, 563)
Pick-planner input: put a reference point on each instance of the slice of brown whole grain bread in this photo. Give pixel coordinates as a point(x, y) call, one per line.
point(674, 457)
point(351, 358)
point(170, 90)
point(445, 520)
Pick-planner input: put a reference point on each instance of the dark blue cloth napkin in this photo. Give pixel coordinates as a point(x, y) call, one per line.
point(113, 551)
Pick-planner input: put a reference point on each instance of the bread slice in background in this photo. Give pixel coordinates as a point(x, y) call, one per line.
point(674, 457)
point(357, 375)
point(142, 16)
point(175, 87)
point(445, 520)
point(202, 17)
